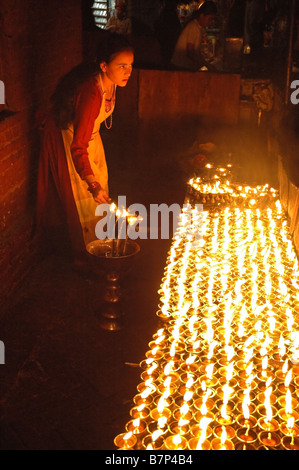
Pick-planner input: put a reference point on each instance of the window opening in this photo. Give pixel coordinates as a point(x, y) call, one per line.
point(102, 12)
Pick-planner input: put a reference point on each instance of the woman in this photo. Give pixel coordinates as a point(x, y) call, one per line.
point(72, 171)
point(187, 53)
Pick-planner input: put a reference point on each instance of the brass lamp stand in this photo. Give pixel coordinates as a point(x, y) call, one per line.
point(106, 259)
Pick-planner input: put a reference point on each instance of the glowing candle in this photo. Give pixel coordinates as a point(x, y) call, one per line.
point(222, 443)
point(125, 440)
point(201, 442)
point(176, 442)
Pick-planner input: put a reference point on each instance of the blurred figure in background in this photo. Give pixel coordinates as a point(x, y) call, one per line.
point(188, 53)
point(119, 22)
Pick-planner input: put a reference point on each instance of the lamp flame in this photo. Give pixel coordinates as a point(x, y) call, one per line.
point(223, 435)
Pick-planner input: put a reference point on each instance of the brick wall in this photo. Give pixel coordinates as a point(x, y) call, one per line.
point(39, 42)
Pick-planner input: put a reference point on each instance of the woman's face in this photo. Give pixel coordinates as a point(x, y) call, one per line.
point(119, 69)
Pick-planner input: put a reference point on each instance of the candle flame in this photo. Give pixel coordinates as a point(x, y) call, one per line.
point(149, 381)
point(288, 378)
point(168, 368)
point(203, 424)
point(285, 366)
point(161, 405)
point(269, 413)
point(203, 409)
point(249, 369)
point(291, 422)
point(183, 422)
point(177, 440)
point(136, 422)
point(190, 360)
point(156, 434)
point(227, 391)
point(245, 409)
point(246, 399)
point(249, 379)
point(265, 363)
point(152, 368)
point(249, 341)
point(230, 352)
point(188, 396)
point(229, 371)
point(146, 392)
point(132, 219)
point(288, 407)
point(159, 339)
point(241, 330)
point(271, 321)
point(268, 383)
point(249, 355)
point(192, 321)
point(172, 350)
point(223, 435)
point(167, 382)
point(112, 207)
point(184, 409)
point(281, 345)
point(162, 422)
point(212, 346)
point(189, 382)
point(209, 370)
point(223, 411)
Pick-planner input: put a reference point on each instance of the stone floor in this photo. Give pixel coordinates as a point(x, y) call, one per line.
point(67, 383)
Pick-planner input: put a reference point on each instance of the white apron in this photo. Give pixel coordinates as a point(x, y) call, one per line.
point(85, 203)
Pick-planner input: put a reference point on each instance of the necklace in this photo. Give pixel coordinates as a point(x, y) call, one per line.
point(110, 125)
point(109, 101)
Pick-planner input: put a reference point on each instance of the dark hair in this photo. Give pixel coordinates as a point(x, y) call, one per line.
point(206, 8)
point(63, 97)
point(110, 45)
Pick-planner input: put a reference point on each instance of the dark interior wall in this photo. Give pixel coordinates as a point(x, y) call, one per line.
point(144, 14)
point(39, 42)
point(175, 96)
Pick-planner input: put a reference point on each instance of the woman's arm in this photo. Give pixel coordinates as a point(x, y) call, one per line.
point(87, 107)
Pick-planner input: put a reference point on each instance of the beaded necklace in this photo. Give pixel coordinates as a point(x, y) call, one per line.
point(108, 103)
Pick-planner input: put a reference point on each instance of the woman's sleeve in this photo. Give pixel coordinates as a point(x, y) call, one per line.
point(87, 107)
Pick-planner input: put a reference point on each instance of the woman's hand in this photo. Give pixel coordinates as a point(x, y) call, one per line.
point(102, 197)
point(98, 193)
